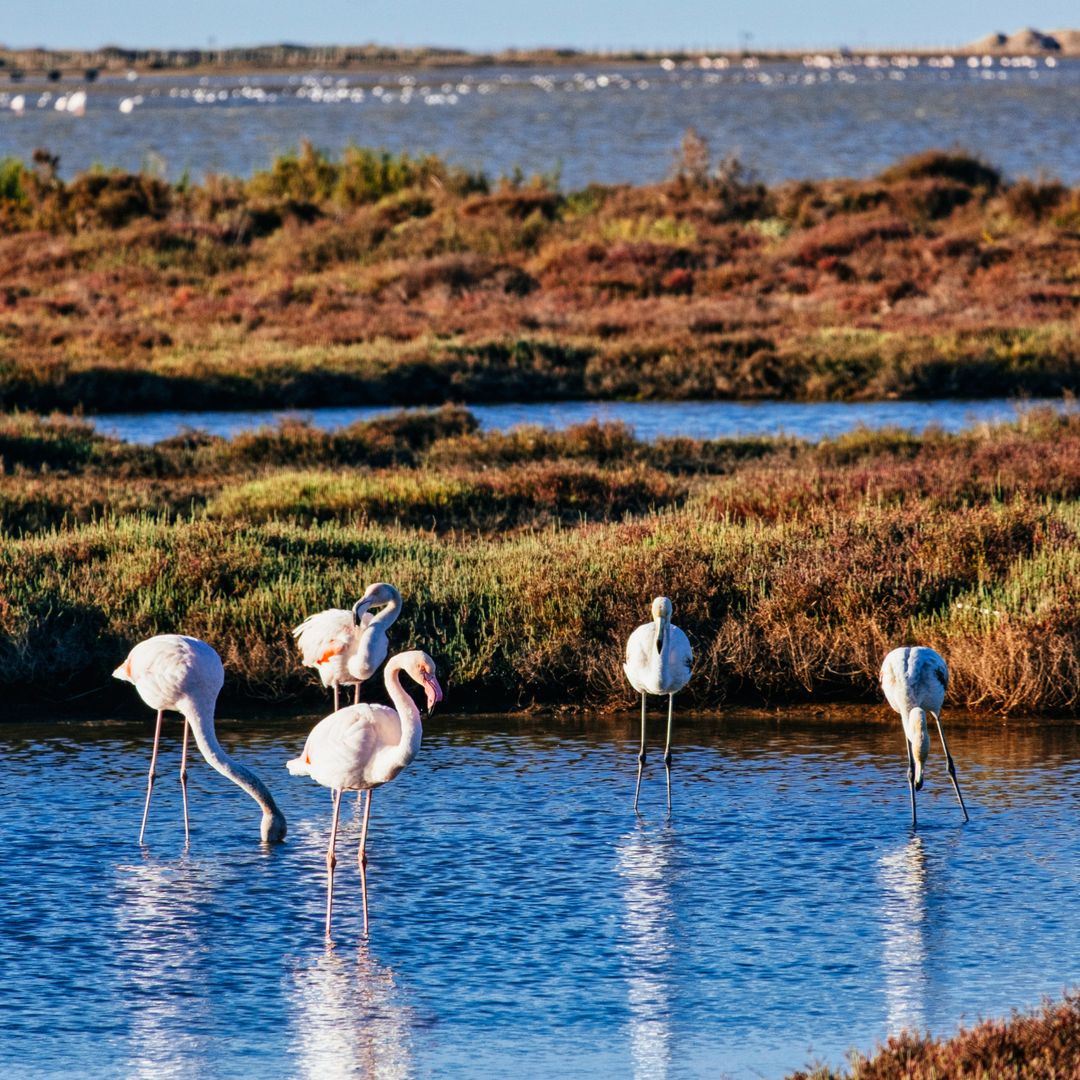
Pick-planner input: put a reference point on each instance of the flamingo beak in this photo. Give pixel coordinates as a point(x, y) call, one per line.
point(433, 691)
point(359, 608)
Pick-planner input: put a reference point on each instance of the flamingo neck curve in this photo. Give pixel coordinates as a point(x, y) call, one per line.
point(662, 650)
point(200, 716)
point(408, 713)
point(389, 611)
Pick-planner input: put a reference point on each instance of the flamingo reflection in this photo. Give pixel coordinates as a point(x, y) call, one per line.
point(352, 1019)
point(644, 858)
point(903, 877)
point(161, 957)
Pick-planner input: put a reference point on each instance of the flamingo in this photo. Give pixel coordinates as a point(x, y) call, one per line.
point(171, 671)
point(914, 681)
point(363, 746)
point(348, 646)
point(658, 661)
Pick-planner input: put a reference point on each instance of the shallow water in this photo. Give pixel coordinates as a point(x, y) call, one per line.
point(522, 917)
point(600, 123)
point(649, 419)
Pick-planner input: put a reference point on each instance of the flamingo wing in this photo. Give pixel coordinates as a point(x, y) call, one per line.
point(325, 634)
point(680, 659)
point(341, 748)
point(641, 659)
point(168, 667)
point(914, 678)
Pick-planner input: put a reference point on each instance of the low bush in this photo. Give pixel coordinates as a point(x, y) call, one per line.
point(379, 278)
point(1042, 1045)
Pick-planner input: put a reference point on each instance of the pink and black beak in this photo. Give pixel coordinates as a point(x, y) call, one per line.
point(432, 689)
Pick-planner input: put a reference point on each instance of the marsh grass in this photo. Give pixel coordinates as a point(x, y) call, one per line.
point(526, 558)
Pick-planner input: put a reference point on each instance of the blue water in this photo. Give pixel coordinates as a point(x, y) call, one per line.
point(649, 419)
point(599, 123)
point(522, 919)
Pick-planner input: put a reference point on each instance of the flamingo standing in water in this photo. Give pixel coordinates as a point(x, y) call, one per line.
point(914, 681)
point(348, 646)
point(658, 661)
point(363, 746)
point(171, 671)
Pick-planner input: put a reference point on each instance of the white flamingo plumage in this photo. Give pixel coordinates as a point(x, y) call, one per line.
point(363, 746)
point(348, 646)
point(915, 680)
point(184, 674)
point(658, 661)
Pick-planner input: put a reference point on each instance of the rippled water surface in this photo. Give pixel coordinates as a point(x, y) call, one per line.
point(523, 918)
point(649, 419)
point(603, 123)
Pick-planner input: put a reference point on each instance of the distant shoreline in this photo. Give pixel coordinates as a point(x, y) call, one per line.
point(16, 64)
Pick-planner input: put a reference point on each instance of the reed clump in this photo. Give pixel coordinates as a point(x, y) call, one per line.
point(380, 278)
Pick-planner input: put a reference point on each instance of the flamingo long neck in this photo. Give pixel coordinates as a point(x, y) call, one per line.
point(389, 611)
point(408, 713)
point(663, 651)
point(201, 719)
point(918, 736)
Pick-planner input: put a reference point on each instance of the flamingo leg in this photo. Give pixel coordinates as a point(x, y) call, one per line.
point(183, 781)
point(667, 747)
point(911, 782)
point(331, 861)
point(361, 857)
point(153, 773)
point(641, 755)
point(337, 704)
point(951, 766)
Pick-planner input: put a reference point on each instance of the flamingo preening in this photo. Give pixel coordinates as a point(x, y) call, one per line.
point(658, 661)
point(914, 681)
point(363, 746)
point(348, 646)
point(171, 671)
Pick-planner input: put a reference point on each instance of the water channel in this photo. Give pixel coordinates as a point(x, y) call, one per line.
point(649, 419)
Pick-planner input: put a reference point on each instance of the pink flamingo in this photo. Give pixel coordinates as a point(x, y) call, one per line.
point(184, 674)
point(348, 646)
point(363, 746)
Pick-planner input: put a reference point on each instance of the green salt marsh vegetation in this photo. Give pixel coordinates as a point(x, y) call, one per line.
point(526, 558)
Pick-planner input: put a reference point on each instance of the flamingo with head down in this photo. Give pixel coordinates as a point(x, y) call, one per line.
point(363, 746)
point(914, 681)
point(171, 671)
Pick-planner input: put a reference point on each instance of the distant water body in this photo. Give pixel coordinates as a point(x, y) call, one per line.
point(600, 123)
point(649, 420)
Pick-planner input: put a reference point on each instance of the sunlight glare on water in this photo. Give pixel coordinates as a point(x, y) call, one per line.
point(522, 916)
